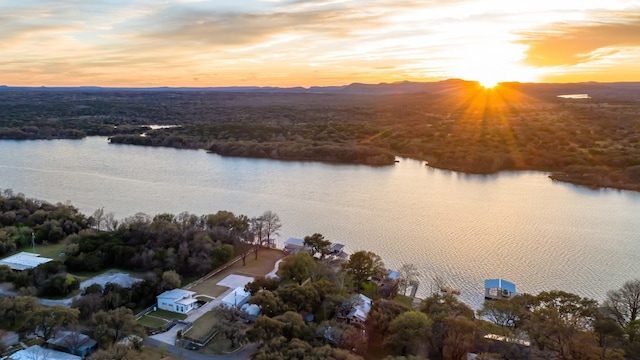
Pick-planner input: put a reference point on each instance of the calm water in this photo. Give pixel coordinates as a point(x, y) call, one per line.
point(523, 227)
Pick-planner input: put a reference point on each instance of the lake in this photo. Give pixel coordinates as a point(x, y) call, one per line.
point(520, 226)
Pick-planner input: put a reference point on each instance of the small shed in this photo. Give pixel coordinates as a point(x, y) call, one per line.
point(177, 300)
point(236, 298)
point(250, 312)
point(499, 289)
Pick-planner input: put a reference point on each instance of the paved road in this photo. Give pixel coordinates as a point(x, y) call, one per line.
point(4, 291)
point(242, 354)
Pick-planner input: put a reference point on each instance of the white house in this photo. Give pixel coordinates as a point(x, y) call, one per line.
point(360, 311)
point(236, 298)
point(177, 300)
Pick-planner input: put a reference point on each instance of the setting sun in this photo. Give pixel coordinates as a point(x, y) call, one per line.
point(488, 83)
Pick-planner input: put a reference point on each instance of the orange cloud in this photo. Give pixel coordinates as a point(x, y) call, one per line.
point(565, 44)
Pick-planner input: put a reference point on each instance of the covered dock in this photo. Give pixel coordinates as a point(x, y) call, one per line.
point(499, 289)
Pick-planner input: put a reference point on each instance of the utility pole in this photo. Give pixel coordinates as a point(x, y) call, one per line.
point(33, 241)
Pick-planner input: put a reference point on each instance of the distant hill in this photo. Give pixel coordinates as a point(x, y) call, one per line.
point(625, 91)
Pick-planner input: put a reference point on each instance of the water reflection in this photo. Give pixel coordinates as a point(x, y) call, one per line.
point(463, 228)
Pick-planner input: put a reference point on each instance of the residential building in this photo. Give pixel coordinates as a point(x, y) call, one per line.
point(74, 343)
point(36, 352)
point(177, 300)
point(236, 298)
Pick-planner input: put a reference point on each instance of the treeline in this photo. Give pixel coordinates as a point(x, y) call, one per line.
point(187, 244)
point(25, 220)
point(585, 141)
point(108, 327)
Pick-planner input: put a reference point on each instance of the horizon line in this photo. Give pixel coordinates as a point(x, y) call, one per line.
point(304, 87)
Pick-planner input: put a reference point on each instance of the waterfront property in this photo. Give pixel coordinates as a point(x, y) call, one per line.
point(24, 261)
point(294, 245)
point(499, 289)
point(360, 310)
point(177, 300)
point(337, 250)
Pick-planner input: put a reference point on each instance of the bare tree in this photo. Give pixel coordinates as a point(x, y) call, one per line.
point(408, 276)
point(272, 225)
point(244, 244)
point(98, 216)
point(257, 229)
point(624, 303)
point(110, 222)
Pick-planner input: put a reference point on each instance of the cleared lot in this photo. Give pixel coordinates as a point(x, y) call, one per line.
point(267, 259)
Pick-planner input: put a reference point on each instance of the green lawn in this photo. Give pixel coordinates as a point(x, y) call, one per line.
point(52, 251)
point(217, 346)
point(370, 289)
point(168, 315)
point(203, 326)
point(151, 321)
point(405, 300)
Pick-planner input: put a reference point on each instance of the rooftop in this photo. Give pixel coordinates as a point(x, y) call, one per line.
point(393, 275)
point(337, 248)
point(238, 295)
point(69, 339)
point(500, 284)
point(176, 294)
point(24, 260)
point(251, 309)
point(294, 242)
point(37, 352)
point(361, 310)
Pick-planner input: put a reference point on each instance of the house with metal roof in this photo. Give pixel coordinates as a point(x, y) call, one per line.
point(360, 310)
point(236, 298)
point(337, 250)
point(72, 342)
point(499, 289)
point(38, 352)
point(177, 300)
point(24, 261)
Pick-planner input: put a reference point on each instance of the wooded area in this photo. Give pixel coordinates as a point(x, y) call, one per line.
point(592, 142)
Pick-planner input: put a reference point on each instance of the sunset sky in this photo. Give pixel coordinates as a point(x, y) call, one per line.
point(315, 42)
